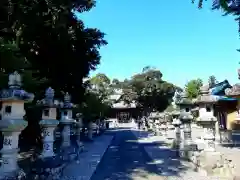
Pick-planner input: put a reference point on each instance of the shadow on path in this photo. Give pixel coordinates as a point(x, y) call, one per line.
point(126, 159)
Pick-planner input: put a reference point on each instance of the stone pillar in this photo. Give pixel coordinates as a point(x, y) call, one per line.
point(163, 129)
point(187, 132)
point(12, 124)
point(209, 139)
point(187, 146)
point(177, 123)
point(9, 166)
point(66, 120)
point(90, 130)
point(150, 124)
point(178, 135)
point(48, 137)
point(158, 131)
point(66, 141)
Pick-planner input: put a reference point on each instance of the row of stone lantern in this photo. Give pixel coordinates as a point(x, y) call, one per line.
point(206, 120)
point(12, 124)
point(157, 123)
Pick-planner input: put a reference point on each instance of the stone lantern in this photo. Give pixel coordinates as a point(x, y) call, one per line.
point(176, 123)
point(12, 124)
point(66, 121)
point(49, 123)
point(206, 117)
point(186, 118)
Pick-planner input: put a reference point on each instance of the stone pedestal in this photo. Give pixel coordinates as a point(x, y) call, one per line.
point(163, 130)
point(9, 167)
point(67, 151)
point(209, 139)
point(48, 137)
point(217, 132)
point(208, 125)
point(66, 140)
point(187, 146)
point(158, 130)
point(78, 133)
point(177, 140)
point(150, 124)
point(226, 136)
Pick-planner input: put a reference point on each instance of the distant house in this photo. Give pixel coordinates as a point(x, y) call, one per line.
point(121, 110)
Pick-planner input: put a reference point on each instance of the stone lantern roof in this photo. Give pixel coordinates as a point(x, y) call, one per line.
point(234, 91)
point(205, 96)
point(185, 116)
point(175, 113)
point(14, 92)
point(48, 100)
point(184, 100)
point(66, 104)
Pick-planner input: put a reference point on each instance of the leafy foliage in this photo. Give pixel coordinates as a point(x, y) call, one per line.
point(192, 88)
point(147, 89)
point(55, 43)
point(229, 7)
point(212, 81)
point(50, 46)
point(100, 84)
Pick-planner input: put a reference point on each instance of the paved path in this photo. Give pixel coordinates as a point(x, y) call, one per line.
point(135, 155)
point(126, 159)
point(172, 168)
point(83, 168)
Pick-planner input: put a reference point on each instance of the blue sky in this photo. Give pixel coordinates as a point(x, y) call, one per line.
point(173, 36)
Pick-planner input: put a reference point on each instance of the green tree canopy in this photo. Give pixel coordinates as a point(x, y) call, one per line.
point(148, 90)
point(212, 81)
point(53, 40)
point(192, 88)
point(100, 85)
point(229, 7)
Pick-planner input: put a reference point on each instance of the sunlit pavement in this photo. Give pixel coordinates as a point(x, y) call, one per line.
point(126, 159)
point(138, 155)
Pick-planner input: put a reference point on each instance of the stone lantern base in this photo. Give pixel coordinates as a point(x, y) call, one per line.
point(187, 146)
point(177, 140)
point(209, 133)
